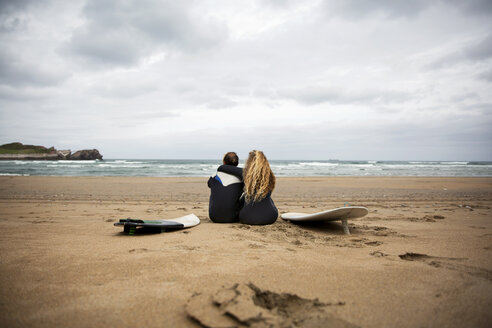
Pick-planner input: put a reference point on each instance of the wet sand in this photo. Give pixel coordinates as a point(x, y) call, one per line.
point(420, 258)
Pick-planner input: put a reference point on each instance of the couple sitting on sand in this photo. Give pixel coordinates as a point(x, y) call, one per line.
point(243, 195)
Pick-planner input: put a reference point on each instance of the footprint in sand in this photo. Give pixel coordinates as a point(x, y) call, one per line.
point(379, 231)
point(373, 243)
point(378, 254)
point(256, 246)
point(41, 221)
point(432, 218)
point(138, 250)
point(297, 242)
point(245, 305)
point(448, 263)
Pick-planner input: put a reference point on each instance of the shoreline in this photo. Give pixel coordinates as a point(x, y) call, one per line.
point(421, 257)
point(156, 188)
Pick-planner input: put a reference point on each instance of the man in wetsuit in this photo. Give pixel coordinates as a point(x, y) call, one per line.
point(226, 187)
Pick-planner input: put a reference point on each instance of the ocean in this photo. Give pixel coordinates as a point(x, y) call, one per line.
point(204, 168)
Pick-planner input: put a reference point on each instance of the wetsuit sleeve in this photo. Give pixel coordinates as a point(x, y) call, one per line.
point(209, 182)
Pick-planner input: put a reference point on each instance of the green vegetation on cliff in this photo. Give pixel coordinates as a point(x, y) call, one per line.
point(18, 148)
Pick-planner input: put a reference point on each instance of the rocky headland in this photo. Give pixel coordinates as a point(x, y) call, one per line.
point(18, 151)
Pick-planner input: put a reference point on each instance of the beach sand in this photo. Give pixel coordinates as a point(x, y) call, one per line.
point(422, 257)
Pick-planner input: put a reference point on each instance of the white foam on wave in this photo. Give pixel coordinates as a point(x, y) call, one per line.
point(129, 165)
point(13, 175)
point(68, 161)
point(317, 164)
point(422, 163)
point(130, 162)
point(62, 165)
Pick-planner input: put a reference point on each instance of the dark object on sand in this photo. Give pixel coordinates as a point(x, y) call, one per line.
point(130, 225)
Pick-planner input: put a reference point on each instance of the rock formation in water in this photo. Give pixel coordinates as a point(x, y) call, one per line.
point(18, 151)
point(86, 154)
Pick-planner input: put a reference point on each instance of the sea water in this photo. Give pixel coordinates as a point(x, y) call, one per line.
point(204, 168)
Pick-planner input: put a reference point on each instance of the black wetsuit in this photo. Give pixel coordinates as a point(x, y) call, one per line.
point(262, 212)
point(225, 201)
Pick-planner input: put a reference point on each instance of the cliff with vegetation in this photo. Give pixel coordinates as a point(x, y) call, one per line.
point(18, 151)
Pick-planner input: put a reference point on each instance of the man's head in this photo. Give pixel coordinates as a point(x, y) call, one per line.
point(231, 158)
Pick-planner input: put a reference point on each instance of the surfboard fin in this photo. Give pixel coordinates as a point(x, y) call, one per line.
point(345, 226)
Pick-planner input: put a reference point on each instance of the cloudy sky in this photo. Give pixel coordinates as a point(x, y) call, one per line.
point(355, 79)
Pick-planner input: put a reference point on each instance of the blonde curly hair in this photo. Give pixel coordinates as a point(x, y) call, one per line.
point(259, 179)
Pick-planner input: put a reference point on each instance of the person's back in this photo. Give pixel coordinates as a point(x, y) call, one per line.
point(259, 182)
point(226, 188)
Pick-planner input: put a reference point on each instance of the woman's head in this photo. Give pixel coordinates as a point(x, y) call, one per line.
point(259, 179)
point(230, 158)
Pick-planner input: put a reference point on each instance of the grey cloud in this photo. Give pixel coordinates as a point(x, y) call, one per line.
point(461, 137)
point(484, 109)
point(10, 14)
point(145, 115)
point(120, 33)
point(468, 131)
point(14, 94)
point(126, 90)
point(317, 95)
point(486, 75)
point(312, 95)
point(100, 47)
point(478, 7)
point(10, 23)
point(14, 71)
point(212, 98)
point(142, 116)
point(401, 8)
point(14, 14)
point(279, 3)
point(462, 97)
point(386, 8)
point(221, 103)
point(479, 51)
point(185, 85)
point(178, 25)
point(12, 5)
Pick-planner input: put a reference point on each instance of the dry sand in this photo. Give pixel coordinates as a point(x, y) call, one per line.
point(421, 258)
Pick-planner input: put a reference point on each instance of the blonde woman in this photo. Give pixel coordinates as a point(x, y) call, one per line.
point(259, 182)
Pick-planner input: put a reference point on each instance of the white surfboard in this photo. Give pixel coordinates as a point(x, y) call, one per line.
point(341, 213)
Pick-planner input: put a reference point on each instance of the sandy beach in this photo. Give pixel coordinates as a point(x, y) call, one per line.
point(420, 258)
